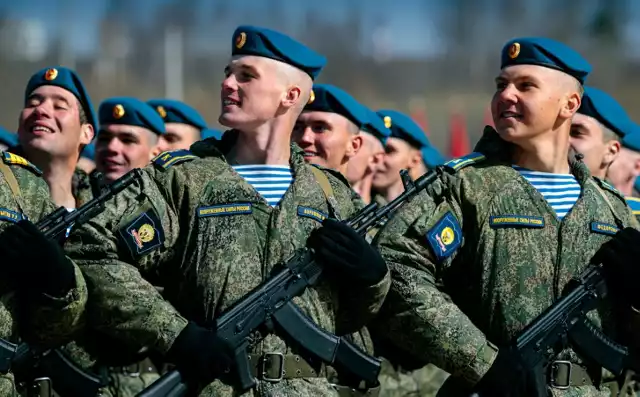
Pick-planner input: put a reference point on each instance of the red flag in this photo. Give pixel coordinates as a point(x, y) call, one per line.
point(459, 144)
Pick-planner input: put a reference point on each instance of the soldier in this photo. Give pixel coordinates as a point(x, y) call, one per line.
point(183, 124)
point(55, 124)
point(43, 294)
point(597, 129)
point(494, 240)
point(362, 166)
point(210, 224)
point(624, 171)
point(129, 136)
point(407, 148)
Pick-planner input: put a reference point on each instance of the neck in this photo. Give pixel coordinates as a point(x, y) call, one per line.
point(363, 187)
point(547, 154)
point(58, 173)
point(268, 145)
point(394, 190)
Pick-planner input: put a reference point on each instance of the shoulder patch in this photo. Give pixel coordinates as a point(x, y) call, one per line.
point(634, 204)
point(607, 186)
point(167, 159)
point(461, 162)
point(445, 236)
point(143, 234)
point(14, 159)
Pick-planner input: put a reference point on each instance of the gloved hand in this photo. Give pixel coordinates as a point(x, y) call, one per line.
point(34, 263)
point(341, 250)
point(619, 259)
point(200, 355)
point(509, 377)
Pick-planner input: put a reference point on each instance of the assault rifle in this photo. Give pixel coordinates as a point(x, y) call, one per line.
point(270, 305)
point(22, 358)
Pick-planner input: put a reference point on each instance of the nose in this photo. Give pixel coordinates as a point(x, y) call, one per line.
point(307, 136)
point(229, 84)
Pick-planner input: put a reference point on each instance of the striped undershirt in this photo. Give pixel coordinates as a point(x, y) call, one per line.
point(271, 181)
point(560, 190)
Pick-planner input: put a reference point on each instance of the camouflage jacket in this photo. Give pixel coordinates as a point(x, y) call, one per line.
point(50, 320)
point(481, 253)
point(81, 187)
point(196, 228)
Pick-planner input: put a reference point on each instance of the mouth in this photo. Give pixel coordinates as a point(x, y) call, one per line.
point(226, 102)
point(309, 153)
point(40, 130)
point(508, 115)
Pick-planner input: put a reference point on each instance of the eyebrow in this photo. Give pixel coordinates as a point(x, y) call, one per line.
point(502, 78)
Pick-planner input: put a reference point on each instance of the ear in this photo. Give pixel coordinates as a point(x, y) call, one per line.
point(415, 159)
point(86, 134)
point(571, 106)
point(292, 97)
point(611, 152)
point(636, 167)
point(354, 145)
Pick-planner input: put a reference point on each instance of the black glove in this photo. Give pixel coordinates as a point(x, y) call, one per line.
point(619, 257)
point(200, 355)
point(34, 263)
point(509, 377)
point(340, 249)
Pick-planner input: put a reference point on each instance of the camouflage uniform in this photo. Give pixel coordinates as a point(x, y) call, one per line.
point(198, 229)
point(453, 294)
point(23, 192)
point(94, 353)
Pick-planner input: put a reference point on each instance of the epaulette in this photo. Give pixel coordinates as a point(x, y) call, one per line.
point(607, 186)
point(14, 159)
point(167, 159)
point(634, 204)
point(464, 161)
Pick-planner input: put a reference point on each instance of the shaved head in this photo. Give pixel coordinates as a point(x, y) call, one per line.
point(289, 77)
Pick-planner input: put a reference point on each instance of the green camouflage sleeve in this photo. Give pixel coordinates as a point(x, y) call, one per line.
point(122, 250)
point(360, 304)
point(419, 316)
point(50, 319)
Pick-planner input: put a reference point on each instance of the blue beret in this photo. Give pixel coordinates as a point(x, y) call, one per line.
point(173, 111)
point(68, 79)
point(546, 52)
point(403, 127)
point(432, 157)
point(376, 127)
point(602, 107)
point(130, 111)
point(8, 138)
point(631, 140)
point(331, 99)
point(210, 133)
point(89, 151)
point(252, 40)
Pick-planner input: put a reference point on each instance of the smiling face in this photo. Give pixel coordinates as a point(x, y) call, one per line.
point(52, 121)
point(532, 100)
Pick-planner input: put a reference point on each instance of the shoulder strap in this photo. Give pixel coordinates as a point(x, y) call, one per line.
point(325, 185)
point(13, 184)
point(619, 222)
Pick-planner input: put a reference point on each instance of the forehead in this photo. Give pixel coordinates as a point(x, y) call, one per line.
point(260, 63)
point(179, 128)
point(52, 91)
point(314, 116)
point(533, 71)
point(397, 144)
point(583, 120)
point(121, 129)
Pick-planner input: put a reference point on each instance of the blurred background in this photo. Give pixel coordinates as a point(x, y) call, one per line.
point(435, 59)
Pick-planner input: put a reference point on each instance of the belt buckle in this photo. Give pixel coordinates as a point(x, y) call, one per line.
point(263, 364)
point(134, 372)
point(555, 369)
point(42, 387)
